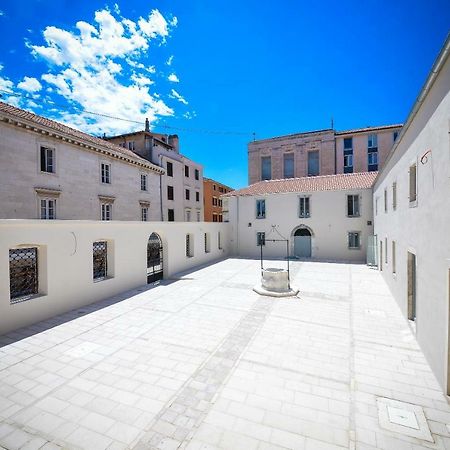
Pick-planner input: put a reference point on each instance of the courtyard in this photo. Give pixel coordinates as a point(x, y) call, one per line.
point(203, 362)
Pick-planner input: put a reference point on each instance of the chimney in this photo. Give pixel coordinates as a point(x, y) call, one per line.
point(174, 142)
point(147, 125)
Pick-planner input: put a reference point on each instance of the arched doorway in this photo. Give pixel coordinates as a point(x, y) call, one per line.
point(154, 258)
point(302, 243)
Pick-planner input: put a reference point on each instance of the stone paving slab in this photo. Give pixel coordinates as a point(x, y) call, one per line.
point(203, 362)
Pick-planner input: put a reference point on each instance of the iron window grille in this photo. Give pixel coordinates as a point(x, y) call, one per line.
point(304, 207)
point(47, 160)
point(352, 205)
point(48, 208)
point(23, 273)
point(260, 209)
point(143, 182)
point(354, 240)
point(189, 251)
point(207, 249)
point(100, 260)
point(106, 173)
point(260, 238)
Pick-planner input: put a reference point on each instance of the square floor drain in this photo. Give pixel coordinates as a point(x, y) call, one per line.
point(403, 418)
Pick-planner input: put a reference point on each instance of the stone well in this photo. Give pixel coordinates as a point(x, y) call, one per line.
point(275, 283)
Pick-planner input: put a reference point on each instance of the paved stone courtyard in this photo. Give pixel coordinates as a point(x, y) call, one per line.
point(203, 362)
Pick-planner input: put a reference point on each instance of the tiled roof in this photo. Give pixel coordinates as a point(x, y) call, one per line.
point(341, 182)
point(23, 116)
point(365, 129)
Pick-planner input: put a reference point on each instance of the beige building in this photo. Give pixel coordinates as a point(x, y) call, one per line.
point(324, 152)
point(182, 183)
point(412, 219)
point(323, 218)
point(51, 171)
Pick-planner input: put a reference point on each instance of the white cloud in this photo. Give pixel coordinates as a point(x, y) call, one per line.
point(30, 84)
point(1, 13)
point(169, 61)
point(175, 94)
point(172, 77)
point(101, 67)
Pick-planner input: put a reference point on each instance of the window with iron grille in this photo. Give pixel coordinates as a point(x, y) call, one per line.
point(386, 252)
point(260, 238)
point(169, 169)
point(144, 214)
point(23, 273)
point(353, 205)
point(207, 244)
point(354, 240)
point(260, 209)
point(47, 156)
point(106, 173)
point(219, 241)
point(143, 182)
point(106, 209)
point(304, 207)
point(394, 269)
point(48, 208)
point(189, 246)
point(100, 260)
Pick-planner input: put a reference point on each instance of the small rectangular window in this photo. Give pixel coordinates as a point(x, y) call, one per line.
point(393, 257)
point(260, 209)
point(131, 146)
point(266, 168)
point(169, 192)
point(386, 251)
point(220, 218)
point(394, 136)
point(348, 163)
point(48, 208)
point(197, 196)
point(188, 215)
point(143, 182)
point(412, 183)
point(288, 165)
point(189, 246)
point(354, 240)
point(171, 215)
point(348, 143)
point(214, 217)
point(385, 201)
point(106, 173)
point(186, 171)
point(207, 243)
point(313, 163)
point(304, 207)
point(106, 210)
point(197, 174)
point(100, 260)
point(219, 241)
point(260, 239)
point(372, 141)
point(353, 205)
point(198, 216)
point(214, 201)
point(394, 195)
point(188, 194)
point(23, 273)
point(47, 160)
point(144, 214)
point(169, 169)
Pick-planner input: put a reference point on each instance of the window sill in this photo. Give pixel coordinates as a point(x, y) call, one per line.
point(26, 298)
point(413, 204)
point(353, 217)
point(354, 248)
point(304, 217)
point(260, 217)
point(98, 280)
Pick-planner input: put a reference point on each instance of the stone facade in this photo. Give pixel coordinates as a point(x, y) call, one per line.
point(73, 188)
point(212, 190)
point(330, 157)
point(182, 183)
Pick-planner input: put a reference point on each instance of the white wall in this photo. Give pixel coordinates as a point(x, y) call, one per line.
point(328, 222)
point(425, 228)
point(65, 261)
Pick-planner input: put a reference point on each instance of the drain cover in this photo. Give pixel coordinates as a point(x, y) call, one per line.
point(403, 418)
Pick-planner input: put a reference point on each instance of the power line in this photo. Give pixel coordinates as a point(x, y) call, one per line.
point(139, 122)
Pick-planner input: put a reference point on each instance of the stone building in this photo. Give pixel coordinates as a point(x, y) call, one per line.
point(182, 182)
point(212, 191)
point(51, 171)
point(323, 218)
point(324, 152)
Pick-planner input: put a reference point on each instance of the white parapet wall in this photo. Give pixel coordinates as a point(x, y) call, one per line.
point(65, 260)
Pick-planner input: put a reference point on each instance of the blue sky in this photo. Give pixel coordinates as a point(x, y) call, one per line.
point(218, 71)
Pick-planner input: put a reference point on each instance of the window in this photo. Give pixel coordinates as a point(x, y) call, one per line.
point(220, 218)
point(393, 257)
point(186, 171)
point(385, 201)
point(260, 239)
point(100, 260)
point(169, 192)
point(106, 209)
point(169, 166)
point(23, 273)
point(188, 194)
point(106, 173)
point(189, 246)
point(214, 187)
point(197, 174)
point(386, 251)
point(376, 206)
point(188, 215)
point(412, 183)
point(219, 241)
point(143, 182)
point(266, 168)
point(353, 205)
point(197, 196)
point(313, 163)
point(47, 160)
point(354, 240)
point(171, 215)
point(348, 155)
point(372, 152)
point(214, 201)
point(304, 207)
point(288, 165)
point(131, 145)
point(394, 136)
point(144, 213)
point(214, 217)
point(48, 208)
point(220, 203)
point(207, 243)
point(260, 209)
point(394, 195)
point(198, 216)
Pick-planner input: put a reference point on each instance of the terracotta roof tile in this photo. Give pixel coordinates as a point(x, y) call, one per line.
point(22, 115)
point(341, 182)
